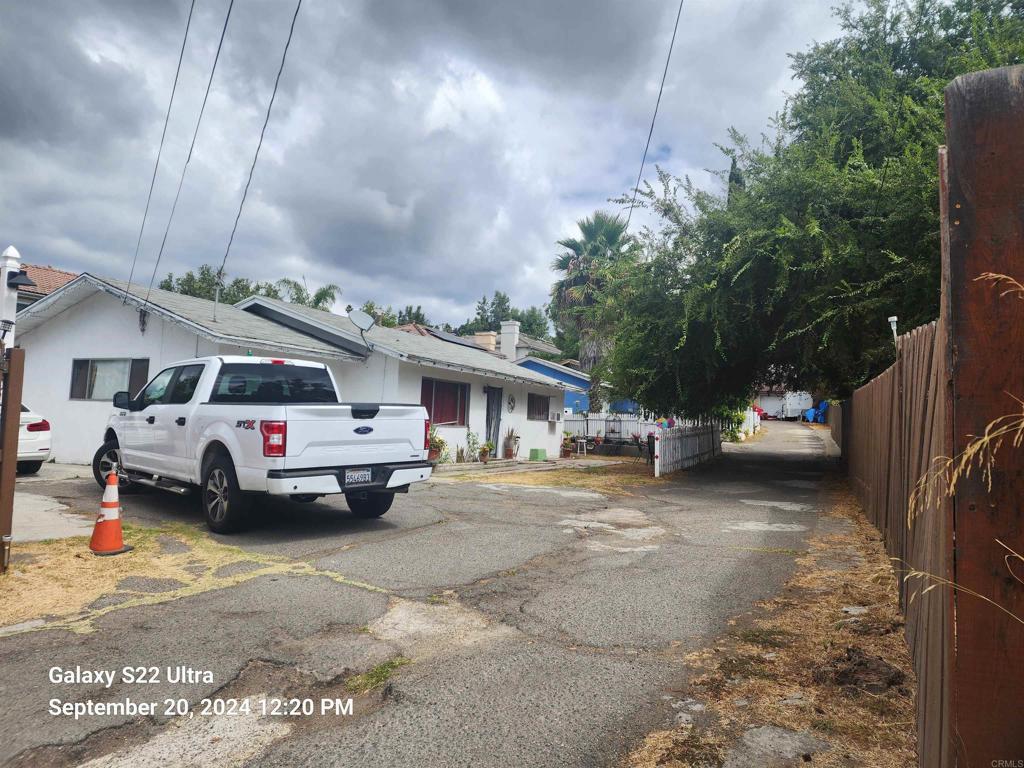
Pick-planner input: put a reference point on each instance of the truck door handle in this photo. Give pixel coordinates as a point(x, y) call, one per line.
point(150, 419)
point(180, 421)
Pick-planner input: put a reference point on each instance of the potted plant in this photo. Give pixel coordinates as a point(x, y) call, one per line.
point(597, 438)
point(437, 444)
point(567, 445)
point(486, 450)
point(511, 443)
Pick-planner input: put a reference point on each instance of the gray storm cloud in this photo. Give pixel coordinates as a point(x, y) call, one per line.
point(420, 151)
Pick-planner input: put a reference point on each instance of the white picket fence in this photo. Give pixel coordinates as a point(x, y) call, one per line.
point(684, 447)
point(751, 422)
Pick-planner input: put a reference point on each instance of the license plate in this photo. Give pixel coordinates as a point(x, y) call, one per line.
point(354, 476)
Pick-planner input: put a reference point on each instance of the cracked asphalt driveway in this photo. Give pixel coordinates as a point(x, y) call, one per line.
point(542, 627)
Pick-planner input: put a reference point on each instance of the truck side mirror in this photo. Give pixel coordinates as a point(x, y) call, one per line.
point(123, 401)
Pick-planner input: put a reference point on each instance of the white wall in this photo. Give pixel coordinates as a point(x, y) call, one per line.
point(97, 327)
point(771, 404)
point(533, 434)
point(102, 327)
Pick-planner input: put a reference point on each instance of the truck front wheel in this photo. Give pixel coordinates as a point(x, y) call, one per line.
point(224, 504)
point(369, 504)
point(105, 460)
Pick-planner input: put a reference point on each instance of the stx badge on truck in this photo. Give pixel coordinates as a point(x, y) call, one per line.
point(246, 424)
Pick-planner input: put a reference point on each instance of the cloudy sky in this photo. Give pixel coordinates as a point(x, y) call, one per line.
point(420, 151)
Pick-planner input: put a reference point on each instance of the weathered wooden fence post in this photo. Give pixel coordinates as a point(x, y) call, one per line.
point(985, 204)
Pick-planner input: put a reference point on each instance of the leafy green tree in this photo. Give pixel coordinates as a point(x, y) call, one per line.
point(490, 313)
point(297, 293)
point(824, 230)
point(500, 309)
point(385, 316)
point(577, 296)
point(532, 322)
point(203, 284)
point(412, 315)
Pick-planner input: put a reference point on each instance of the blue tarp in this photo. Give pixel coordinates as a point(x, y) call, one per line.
point(817, 414)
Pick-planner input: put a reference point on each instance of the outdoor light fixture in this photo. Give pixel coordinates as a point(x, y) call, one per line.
point(19, 279)
point(892, 324)
point(6, 326)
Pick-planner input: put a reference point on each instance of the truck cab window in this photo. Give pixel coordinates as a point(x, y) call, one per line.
point(157, 388)
point(185, 385)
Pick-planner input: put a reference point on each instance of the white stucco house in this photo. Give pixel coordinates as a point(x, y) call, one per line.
point(95, 336)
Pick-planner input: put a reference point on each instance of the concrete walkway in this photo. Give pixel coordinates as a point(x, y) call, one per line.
point(542, 626)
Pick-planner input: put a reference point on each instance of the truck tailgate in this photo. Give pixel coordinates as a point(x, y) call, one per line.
point(353, 434)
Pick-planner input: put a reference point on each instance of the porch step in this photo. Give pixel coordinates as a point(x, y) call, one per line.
point(494, 465)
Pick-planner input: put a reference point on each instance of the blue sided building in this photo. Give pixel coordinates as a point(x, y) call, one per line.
point(577, 402)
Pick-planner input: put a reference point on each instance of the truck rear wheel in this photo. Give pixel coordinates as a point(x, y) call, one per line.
point(369, 504)
point(225, 506)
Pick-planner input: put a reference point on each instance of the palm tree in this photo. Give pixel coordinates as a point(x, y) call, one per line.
point(297, 293)
point(584, 268)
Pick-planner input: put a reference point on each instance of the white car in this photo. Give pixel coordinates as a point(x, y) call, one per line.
point(33, 442)
point(235, 426)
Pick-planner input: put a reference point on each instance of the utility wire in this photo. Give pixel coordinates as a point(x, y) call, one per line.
point(163, 134)
point(671, 45)
point(195, 133)
point(255, 157)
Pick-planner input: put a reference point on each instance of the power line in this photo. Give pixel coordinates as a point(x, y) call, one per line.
point(159, 151)
point(255, 157)
point(671, 45)
point(188, 159)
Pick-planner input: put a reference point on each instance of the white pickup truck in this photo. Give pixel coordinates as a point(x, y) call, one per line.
point(234, 426)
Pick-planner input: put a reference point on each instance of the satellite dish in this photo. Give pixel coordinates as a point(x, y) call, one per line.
point(361, 320)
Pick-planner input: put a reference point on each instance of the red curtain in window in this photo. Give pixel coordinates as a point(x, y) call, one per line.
point(445, 401)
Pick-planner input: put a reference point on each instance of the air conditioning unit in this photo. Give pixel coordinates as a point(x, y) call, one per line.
point(555, 416)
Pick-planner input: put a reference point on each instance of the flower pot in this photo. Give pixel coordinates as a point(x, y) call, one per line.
point(433, 454)
point(484, 456)
point(510, 452)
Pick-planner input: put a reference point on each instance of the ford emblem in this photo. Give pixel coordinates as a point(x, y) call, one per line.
point(363, 430)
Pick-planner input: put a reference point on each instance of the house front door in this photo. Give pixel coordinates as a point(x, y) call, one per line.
point(494, 401)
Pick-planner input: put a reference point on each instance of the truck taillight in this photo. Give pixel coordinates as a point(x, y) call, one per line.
point(426, 435)
point(275, 437)
point(38, 426)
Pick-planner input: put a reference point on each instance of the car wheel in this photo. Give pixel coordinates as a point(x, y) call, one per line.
point(304, 498)
point(29, 467)
point(369, 504)
point(224, 504)
point(107, 457)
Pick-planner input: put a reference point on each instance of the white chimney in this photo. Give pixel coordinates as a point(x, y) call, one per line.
point(10, 264)
point(509, 339)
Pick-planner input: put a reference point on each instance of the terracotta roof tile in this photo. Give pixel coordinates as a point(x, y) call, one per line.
point(47, 279)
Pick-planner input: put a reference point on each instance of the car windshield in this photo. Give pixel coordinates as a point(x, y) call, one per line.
point(270, 383)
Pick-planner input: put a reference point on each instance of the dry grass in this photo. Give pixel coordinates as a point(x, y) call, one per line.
point(58, 580)
point(604, 478)
point(792, 637)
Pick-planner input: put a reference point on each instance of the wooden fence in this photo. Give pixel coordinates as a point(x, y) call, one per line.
point(950, 380)
point(684, 447)
point(896, 428)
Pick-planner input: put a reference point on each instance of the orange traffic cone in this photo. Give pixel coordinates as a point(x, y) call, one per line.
point(106, 534)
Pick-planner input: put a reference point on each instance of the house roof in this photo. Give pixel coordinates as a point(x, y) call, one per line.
point(426, 350)
point(437, 333)
point(47, 279)
point(555, 366)
point(232, 326)
point(538, 344)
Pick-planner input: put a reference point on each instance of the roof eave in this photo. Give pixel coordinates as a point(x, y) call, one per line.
point(219, 338)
